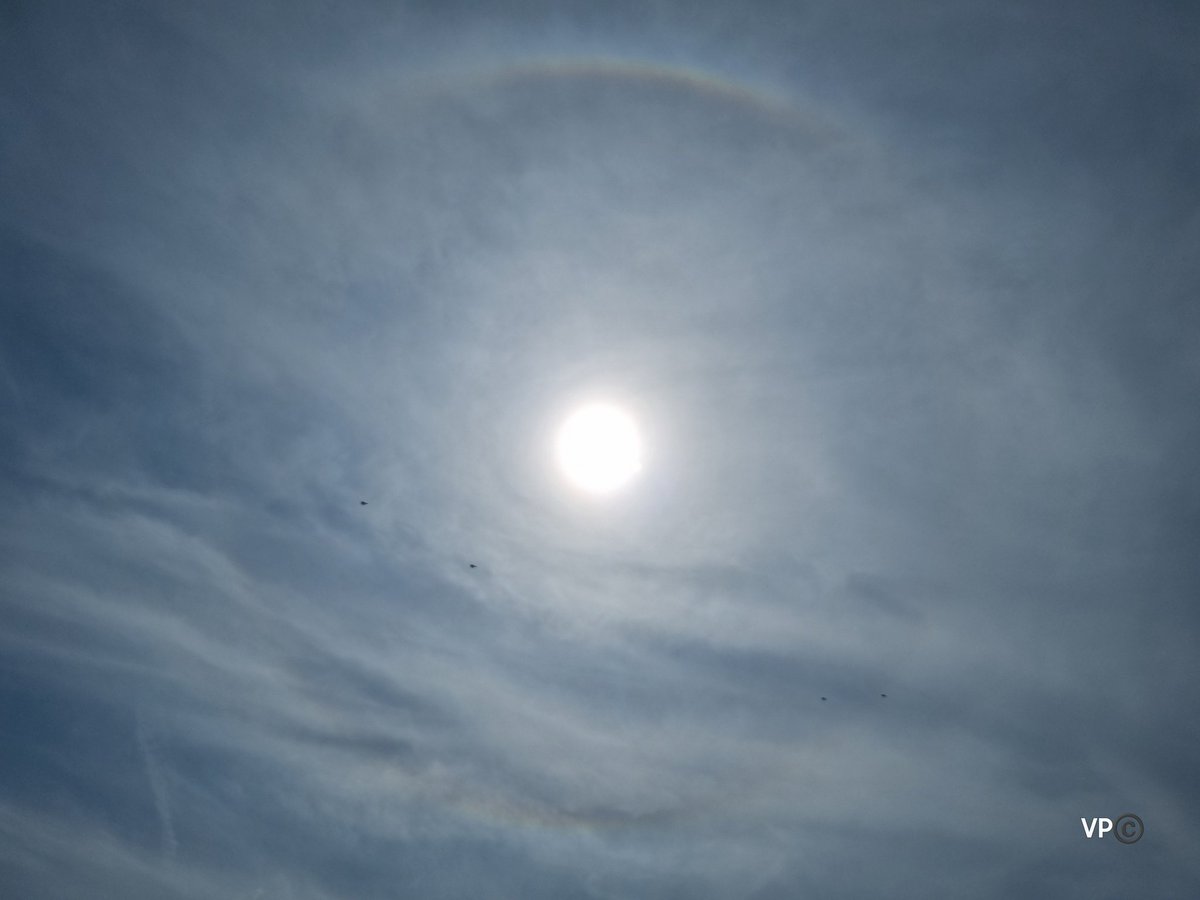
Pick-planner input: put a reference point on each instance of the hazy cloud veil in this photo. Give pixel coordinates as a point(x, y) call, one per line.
point(903, 297)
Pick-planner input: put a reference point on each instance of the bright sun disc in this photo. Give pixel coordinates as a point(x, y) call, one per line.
point(599, 448)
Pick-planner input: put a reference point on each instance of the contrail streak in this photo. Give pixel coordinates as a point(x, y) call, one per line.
point(11, 384)
point(158, 787)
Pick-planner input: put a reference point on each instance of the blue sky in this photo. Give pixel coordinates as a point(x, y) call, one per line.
point(901, 297)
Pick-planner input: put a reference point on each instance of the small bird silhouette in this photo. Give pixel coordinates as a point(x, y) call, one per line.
point(824, 698)
point(473, 566)
point(362, 502)
point(883, 695)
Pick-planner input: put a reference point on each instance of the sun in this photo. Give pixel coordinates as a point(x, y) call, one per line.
point(599, 448)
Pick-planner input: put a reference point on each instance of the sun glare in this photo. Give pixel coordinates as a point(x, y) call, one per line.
point(599, 449)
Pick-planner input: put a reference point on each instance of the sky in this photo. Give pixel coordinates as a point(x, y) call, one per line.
point(902, 298)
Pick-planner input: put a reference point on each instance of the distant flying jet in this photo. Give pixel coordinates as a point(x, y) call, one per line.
point(362, 502)
point(473, 566)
